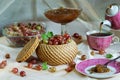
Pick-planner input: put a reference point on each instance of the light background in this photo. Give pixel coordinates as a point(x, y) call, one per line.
point(23, 10)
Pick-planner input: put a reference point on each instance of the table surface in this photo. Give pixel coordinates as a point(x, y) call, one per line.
point(60, 74)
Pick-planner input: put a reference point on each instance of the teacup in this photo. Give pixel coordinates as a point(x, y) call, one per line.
point(100, 40)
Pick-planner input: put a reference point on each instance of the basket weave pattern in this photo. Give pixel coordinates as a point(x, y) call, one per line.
point(57, 54)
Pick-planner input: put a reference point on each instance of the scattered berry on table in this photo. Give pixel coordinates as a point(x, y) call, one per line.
point(38, 67)
point(14, 70)
point(83, 57)
point(7, 56)
point(101, 52)
point(92, 53)
point(30, 65)
point(52, 69)
point(22, 73)
point(69, 69)
point(72, 64)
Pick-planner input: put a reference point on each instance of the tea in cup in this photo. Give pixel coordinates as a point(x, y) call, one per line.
point(100, 40)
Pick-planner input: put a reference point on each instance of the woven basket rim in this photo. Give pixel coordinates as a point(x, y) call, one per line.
point(58, 45)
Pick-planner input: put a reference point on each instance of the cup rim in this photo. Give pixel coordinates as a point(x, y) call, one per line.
point(96, 31)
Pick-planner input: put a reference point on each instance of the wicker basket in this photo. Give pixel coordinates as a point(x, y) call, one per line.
point(57, 54)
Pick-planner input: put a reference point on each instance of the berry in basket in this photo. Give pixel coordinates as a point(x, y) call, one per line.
point(49, 38)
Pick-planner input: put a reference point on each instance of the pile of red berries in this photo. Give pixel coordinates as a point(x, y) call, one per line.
point(59, 39)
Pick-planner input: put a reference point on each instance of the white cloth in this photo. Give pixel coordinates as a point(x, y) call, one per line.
point(60, 74)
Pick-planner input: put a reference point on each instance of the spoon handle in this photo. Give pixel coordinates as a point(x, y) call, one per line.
point(111, 60)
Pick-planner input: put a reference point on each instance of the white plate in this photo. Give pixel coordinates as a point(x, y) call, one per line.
point(84, 66)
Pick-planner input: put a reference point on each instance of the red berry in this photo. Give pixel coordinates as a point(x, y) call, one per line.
point(33, 61)
point(4, 62)
point(51, 39)
point(30, 65)
point(34, 24)
point(76, 35)
point(15, 70)
point(66, 35)
point(22, 73)
point(69, 69)
point(2, 65)
point(55, 42)
point(50, 42)
point(101, 52)
point(83, 57)
point(38, 67)
point(7, 56)
point(72, 64)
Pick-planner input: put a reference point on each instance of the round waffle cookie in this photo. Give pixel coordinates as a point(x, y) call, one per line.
point(28, 49)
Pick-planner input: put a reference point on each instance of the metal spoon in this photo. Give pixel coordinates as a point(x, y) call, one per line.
point(111, 61)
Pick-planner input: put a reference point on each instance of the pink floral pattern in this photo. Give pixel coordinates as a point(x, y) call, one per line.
point(99, 43)
point(115, 20)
